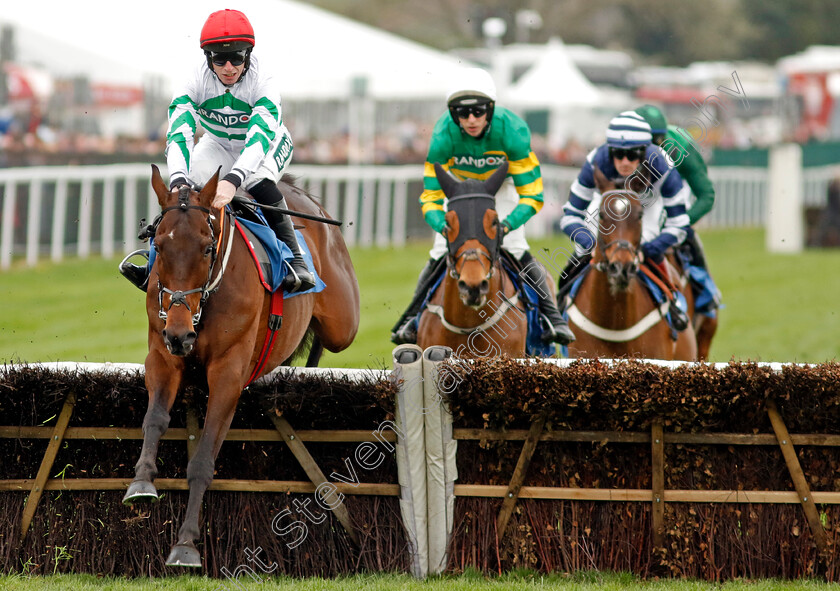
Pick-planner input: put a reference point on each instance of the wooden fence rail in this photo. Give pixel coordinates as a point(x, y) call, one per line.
point(657, 438)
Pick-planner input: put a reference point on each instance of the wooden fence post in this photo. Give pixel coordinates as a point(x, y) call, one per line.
point(312, 470)
point(798, 477)
point(46, 464)
point(519, 474)
point(657, 466)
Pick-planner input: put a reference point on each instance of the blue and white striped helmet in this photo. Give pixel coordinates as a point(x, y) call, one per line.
point(628, 130)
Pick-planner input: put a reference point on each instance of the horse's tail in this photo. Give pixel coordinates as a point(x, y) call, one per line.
point(309, 343)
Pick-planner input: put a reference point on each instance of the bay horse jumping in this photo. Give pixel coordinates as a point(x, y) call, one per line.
point(207, 307)
point(475, 310)
point(613, 314)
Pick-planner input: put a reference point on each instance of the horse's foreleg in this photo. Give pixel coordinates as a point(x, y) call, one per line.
point(162, 382)
point(221, 404)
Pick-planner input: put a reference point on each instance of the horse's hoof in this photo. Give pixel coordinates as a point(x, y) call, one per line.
point(184, 555)
point(140, 491)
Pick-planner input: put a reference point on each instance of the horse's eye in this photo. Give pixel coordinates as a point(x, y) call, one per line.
point(208, 250)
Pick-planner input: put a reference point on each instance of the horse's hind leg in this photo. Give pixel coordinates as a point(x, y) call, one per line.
point(225, 389)
point(162, 382)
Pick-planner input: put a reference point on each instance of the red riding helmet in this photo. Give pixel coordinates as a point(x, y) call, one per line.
point(227, 30)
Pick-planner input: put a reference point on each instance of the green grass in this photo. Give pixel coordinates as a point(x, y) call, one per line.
point(523, 580)
point(778, 307)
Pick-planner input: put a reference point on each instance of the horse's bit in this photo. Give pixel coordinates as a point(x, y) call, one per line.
point(619, 244)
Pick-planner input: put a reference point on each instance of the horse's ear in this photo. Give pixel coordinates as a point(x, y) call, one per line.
point(491, 224)
point(453, 226)
point(208, 192)
point(601, 181)
point(159, 186)
point(447, 182)
point(494, 183)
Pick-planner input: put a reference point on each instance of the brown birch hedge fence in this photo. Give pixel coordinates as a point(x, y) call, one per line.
point(695, 470)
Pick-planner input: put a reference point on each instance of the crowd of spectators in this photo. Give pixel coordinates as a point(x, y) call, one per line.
point(28, 137)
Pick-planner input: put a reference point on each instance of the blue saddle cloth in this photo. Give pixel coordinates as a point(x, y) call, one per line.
point(270, 255)
point(272, 266)
point(707, 297)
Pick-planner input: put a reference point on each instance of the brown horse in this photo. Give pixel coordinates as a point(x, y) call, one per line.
point(207, 307)
point(475, 310)
point(613, 314)
point(704, 326)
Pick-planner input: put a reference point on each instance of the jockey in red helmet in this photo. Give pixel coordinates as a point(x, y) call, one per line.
point(244, 134)
point(227, 33)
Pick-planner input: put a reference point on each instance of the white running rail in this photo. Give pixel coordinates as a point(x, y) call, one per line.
point(83, 210)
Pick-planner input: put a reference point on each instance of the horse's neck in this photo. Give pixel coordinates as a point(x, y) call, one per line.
point(619, 310)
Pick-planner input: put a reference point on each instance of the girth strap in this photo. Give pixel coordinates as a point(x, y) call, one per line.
point(275, 320)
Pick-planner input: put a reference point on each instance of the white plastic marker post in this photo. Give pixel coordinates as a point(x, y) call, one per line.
point(441, 470)
point(784, 200)
point(411, 453)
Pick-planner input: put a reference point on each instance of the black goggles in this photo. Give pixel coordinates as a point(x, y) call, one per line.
point(632, 154)
point(236, 58)
point(465, 112)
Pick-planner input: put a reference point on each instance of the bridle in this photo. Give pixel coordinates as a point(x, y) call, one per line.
point(618, 244)
point(472, 254)
point(178, 297)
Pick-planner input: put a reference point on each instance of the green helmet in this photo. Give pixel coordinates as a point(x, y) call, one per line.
point(655, 118)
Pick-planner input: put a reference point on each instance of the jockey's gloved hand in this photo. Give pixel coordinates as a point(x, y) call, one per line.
point(582, 236)
point(177, 182)
point(654, 251)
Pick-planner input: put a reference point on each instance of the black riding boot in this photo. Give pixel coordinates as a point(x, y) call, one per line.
point(555, 329)
point(405, 330)
point(299, 277)
point(575, 265)
point(137, 274)
point(694, 248)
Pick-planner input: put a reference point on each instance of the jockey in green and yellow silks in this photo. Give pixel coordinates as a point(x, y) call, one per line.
point(471, 141)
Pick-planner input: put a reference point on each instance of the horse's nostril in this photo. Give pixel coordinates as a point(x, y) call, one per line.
point(485, 286)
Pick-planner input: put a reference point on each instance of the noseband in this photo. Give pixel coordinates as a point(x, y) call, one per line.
point(177, 297)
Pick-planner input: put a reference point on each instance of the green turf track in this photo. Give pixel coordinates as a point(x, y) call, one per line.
point(521, 581)
point(778, 307)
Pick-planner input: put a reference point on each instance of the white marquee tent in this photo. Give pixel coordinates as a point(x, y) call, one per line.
point(553, 81)
point(575, 107)
point(317, 54)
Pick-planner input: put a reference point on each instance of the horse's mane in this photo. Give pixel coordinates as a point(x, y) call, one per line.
point(291, 180)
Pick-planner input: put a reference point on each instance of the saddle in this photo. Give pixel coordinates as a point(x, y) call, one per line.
point(270, 255)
